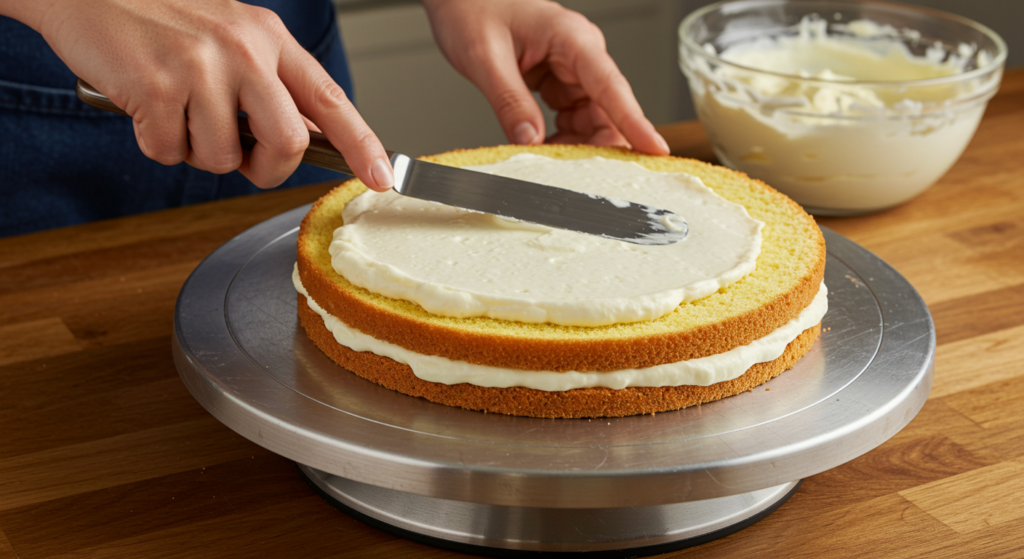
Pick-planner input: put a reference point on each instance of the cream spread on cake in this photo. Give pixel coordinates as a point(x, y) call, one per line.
point(457, 263)
point(704, 371)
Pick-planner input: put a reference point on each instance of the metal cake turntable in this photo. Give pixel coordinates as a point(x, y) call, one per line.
point(498, 485)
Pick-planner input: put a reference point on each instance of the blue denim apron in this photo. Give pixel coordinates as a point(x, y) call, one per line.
point(63, 162)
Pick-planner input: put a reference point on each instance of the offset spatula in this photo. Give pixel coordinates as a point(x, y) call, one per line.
point(481, 192)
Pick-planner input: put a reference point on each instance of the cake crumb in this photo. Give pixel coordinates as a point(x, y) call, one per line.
point(767, 389)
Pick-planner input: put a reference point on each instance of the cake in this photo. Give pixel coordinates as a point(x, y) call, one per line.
point(485, 340)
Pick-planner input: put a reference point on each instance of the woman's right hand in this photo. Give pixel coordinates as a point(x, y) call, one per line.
point(184, 68)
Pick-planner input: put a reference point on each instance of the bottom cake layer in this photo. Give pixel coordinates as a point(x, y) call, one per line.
point(577, 403)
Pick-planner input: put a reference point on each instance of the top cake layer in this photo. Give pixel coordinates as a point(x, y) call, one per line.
point(457, 263)
point(787, 275)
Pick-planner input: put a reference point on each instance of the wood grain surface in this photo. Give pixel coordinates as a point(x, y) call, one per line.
point(103, 452)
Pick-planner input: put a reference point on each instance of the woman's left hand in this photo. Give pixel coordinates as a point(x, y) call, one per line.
point(510, 47)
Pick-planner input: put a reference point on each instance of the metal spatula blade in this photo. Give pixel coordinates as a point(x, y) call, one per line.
point(481, 192)
point(537, 203)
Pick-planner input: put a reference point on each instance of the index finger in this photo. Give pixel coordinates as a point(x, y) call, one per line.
point(606, 86)
point(325, 103)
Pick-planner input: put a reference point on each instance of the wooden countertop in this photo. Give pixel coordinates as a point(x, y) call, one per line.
point(104, 453)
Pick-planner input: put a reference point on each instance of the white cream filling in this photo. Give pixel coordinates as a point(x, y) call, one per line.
point(704, 371)
point(457, 263)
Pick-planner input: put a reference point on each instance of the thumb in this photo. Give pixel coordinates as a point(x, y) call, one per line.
point(503, 86)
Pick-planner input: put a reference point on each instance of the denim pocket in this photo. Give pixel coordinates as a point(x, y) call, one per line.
point(45, 100)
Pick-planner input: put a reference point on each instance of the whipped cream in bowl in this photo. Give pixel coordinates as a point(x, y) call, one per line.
point(846, 107)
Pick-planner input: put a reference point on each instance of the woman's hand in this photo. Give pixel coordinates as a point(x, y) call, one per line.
point(509, 47)
point(184, 68)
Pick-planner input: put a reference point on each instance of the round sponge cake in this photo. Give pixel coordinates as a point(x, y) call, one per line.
point(788, 275)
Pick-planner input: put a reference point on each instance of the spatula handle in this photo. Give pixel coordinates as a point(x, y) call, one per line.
point(320, 151)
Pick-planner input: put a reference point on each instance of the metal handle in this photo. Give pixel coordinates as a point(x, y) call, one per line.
point(320, 151)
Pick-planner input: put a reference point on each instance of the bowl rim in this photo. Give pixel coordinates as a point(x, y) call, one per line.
point(995, 65)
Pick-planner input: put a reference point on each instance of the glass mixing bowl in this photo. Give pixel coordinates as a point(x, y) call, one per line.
point(847, 107)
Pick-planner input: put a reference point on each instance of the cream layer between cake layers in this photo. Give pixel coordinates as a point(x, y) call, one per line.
point(457, 263)
point(704, 371)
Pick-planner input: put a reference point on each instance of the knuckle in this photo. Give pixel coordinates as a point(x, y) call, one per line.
point(574, 18)
point(161, 144)
point(360, 148)
point(171, 159)
point(269, 21)
point(237, 41)
point(158, 91)
point(220, 163)
point(329, 97)
point(611, 81)
point(585, 32)
point(163, 154)
point(481, 53)
point(366, 140)
point(265, 176)
point(262, 181)
point(166, 159)
point(282, 148)
point(507, 102)
point(292, 143)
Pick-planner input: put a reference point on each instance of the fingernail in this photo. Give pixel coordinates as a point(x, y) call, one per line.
point(664, 144)
point(381, 174)
point(524, 133)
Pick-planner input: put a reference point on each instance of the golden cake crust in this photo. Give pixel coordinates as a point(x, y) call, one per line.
point(789, 271)
point(529, 402)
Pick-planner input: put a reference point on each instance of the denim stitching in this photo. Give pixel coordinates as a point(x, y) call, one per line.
point(86, 112)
